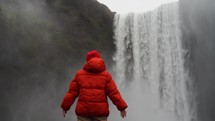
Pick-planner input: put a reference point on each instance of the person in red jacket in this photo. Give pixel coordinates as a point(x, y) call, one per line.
point(93, 84)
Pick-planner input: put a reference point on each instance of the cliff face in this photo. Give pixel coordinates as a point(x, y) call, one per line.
point(198, 27)
point(43, 43)
point(68, 26)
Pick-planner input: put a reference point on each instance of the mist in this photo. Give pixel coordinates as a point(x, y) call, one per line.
point(43, 44)
point(198, 27)
point(32, 75)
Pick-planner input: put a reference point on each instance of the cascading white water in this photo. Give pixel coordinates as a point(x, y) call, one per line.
point(150, 68)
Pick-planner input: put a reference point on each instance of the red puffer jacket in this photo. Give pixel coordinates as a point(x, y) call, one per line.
point(93, 84)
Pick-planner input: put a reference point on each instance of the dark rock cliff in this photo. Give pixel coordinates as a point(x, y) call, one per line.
point(43, 43)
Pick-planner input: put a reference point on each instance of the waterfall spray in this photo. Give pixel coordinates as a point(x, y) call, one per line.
point(150, 65)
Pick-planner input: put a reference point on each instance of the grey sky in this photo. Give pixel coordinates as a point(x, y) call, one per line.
point(125, 6)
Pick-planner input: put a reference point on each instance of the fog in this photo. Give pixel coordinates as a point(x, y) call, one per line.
point(36, 62)
point(198, 27)
point(35, 75)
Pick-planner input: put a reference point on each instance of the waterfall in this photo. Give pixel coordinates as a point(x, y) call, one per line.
point(150, 67)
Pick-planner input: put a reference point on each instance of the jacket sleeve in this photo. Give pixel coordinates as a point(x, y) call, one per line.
point(71, 95)
point(114, 94)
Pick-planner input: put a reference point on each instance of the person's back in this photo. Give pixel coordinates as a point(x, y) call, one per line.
point(93, 84)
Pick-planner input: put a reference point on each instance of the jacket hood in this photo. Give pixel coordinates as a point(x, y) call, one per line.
point(92, 54)
point(95, 65)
